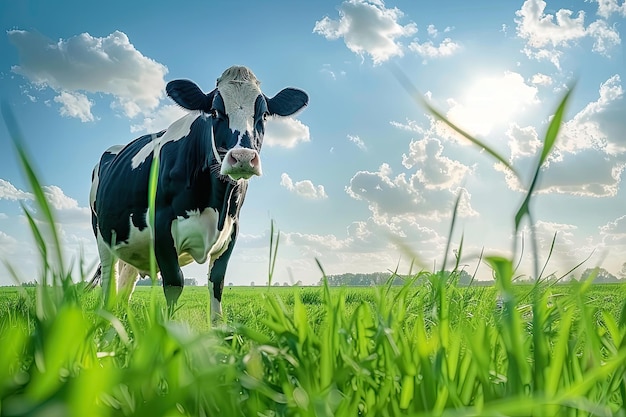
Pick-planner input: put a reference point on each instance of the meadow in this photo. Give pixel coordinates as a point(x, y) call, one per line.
point(432, 349)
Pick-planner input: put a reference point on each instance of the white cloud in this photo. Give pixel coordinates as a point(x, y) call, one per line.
point(432, 31)
point(410, 125)
point(9, 192)
point(8, 246)
point(286, 132)
point(541, 79)
point(358, 142)
point(75, 105)
point(422, 195)
point(428, 49)
point(545, 33)
point(607, 7)
point(67, 209)
point(304, 188)
point(159, 120)
point(328, 70)
point(109, 65)
point(568, 249)
point(523, 141)
point(600, 124)
point(367, 27)
point(435, 171)
point(586, 174)
point(614, 232)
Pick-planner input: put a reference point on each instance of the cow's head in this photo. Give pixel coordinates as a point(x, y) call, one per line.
point(238, 111)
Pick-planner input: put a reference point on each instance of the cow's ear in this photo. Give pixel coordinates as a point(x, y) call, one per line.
point(287, 102)
point(188, 95)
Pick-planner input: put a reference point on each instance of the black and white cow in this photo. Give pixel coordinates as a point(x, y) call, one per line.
point(205, 159)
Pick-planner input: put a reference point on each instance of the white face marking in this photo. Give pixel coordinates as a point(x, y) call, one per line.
point(239, 100)
point(176, 131)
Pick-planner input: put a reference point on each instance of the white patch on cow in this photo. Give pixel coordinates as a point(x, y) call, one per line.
point(114, 150)
point(94, 187)
point(197, 235)
point(136, 250)
point(239, 89)
point(176, 131)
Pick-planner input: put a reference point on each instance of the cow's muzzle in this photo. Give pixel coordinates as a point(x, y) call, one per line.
point(241, 163)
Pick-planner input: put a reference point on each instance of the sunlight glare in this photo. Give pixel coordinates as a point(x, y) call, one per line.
point(492, 101)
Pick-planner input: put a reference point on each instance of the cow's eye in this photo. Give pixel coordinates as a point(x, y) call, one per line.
point(265, 116)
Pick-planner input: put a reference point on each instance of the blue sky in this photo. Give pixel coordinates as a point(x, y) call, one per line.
point(363, 162)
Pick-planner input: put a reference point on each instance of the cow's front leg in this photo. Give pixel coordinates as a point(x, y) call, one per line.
point(217, 273)
point(167, 259)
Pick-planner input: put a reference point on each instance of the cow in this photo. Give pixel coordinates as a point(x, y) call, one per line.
point(205, 160)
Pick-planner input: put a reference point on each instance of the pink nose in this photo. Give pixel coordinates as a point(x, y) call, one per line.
point(241, 158)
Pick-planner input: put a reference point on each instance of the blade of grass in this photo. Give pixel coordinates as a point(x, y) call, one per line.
point(419, 98)
point(548, 144)
point(33, 181)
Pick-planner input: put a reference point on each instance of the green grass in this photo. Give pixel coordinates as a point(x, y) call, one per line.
point(371, 351)
point(421, 350)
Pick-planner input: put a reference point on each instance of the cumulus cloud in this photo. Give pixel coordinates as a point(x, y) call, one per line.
point(367, 27)
point(435, 171)
point(84, 63)
point(523, 141)
point(9, 192)
point(600, 124)
point(421, 195)
point(304, 188)
point(568, 250)
point(545, 33)
point(285, 132)
point(428, 49)
point(75, 105)
point(358, 142)
point(607, 7)
point(67, 209)
point(614, 232)
point(159, 120)
point(584, 174)
point(589, 158)
point(541, 79)
point(8, 245)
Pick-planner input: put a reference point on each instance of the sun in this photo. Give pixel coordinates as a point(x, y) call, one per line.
point(492, 101)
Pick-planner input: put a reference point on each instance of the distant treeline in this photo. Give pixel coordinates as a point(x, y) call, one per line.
point(462, 278)
point(381, 278)
point(148, 282)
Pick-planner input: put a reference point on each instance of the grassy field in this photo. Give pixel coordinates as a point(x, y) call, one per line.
point(317, 351)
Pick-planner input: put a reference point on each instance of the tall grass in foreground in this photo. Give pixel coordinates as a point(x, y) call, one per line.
point(428, 350)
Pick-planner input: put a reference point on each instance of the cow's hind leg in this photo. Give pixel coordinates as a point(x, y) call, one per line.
point(126, 282)
point(108, 272)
